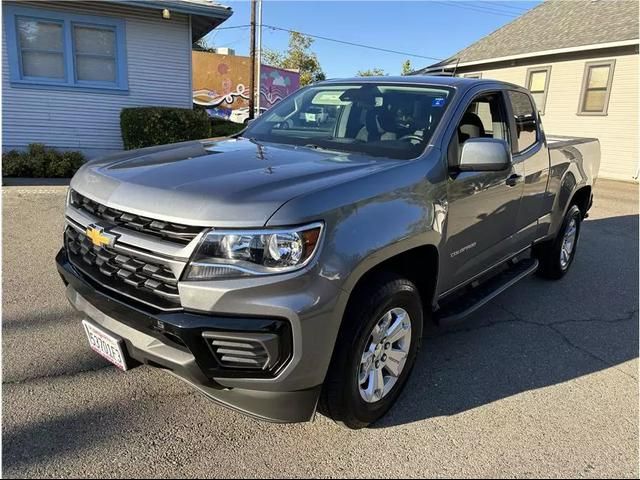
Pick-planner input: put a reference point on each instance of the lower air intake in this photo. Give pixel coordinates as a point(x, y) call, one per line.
point(257, 351)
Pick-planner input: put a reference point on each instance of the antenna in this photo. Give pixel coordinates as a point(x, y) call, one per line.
point(455, 68)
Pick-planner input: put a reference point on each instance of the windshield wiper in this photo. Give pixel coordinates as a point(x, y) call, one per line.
point(319, 147)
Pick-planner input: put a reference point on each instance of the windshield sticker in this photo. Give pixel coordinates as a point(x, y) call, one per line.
point(437, 102)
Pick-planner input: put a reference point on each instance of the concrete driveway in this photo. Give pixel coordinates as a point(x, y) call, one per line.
point(543, 381)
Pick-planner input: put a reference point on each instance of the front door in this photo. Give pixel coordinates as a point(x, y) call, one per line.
point(483, 206)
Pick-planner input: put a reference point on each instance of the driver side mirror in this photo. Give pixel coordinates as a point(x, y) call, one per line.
point(484, 155)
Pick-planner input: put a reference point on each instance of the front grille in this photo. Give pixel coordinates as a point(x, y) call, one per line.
point(166, 230)
point(150, 283)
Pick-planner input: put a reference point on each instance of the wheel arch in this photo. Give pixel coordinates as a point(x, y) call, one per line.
point(419, 264)
point(582, 199)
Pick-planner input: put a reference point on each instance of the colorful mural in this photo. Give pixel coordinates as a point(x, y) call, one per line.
point(222, 81)
point(276, 84)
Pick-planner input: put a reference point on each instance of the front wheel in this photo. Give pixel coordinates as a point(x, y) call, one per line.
point(557, 255)
point(374, 353)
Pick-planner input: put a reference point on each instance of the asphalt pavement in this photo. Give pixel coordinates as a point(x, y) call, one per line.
point(541, 382)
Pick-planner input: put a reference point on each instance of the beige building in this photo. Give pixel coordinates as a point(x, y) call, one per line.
point(580, 61)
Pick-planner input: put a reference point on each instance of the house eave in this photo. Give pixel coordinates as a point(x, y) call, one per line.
point(204, 18)
point(452, 62)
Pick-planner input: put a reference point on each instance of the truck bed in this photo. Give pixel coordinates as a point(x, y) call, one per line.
point(583, 152)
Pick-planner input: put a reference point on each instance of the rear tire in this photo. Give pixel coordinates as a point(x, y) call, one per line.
point(363, 381)
point(556, 256)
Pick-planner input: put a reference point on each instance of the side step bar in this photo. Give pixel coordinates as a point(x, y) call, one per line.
point(456, 309)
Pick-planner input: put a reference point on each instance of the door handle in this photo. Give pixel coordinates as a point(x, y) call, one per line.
point(513, 180)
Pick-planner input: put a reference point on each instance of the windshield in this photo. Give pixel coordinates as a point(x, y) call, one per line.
point(394, 121)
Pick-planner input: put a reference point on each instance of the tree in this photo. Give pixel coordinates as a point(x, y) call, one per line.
point(372, 72)
point(202, 45)
point(297, 57)
point(406, 67)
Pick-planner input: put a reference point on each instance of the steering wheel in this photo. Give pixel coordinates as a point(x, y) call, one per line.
point(411, 137)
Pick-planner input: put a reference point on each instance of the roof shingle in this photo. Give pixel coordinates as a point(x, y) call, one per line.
point(557, 24)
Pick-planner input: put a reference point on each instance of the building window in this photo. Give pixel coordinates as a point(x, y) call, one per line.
point(596, 88)
point(41, 48)
point(472, 75)
point(538, 85)
point(95, 53)
point(58, 49)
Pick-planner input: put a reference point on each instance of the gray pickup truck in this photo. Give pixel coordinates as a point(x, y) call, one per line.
point(291, 269)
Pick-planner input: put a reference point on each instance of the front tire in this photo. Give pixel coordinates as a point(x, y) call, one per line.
point(556, 256)
point(375, 351)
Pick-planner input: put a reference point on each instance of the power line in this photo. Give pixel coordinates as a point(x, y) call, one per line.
point(230, 28)
point(353, 44)
point(233, 42)
point(490, 8)
point(507, 5)
point(476, 8)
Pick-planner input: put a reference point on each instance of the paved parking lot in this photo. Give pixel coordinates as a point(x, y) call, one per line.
point(543, 381)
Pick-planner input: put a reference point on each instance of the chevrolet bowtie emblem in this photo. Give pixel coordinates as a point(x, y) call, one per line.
point(99, 237)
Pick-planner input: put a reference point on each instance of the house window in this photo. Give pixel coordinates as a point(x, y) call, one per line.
point(538, 85)
point(95, 53)
point(58, 49)
point(596, 88)
point(41, 48)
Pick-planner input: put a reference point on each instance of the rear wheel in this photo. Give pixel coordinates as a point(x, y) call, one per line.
point(557, 255)
point(374, 353)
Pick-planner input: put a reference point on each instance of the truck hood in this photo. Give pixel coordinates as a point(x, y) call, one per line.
point(230, 183)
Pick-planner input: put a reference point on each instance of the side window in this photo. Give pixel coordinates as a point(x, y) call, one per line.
point(525, 118)
point(484, 118)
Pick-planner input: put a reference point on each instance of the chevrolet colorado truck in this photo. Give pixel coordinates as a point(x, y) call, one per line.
point(290, 269)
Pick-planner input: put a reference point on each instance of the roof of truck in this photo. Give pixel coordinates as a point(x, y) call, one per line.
point(444, 80)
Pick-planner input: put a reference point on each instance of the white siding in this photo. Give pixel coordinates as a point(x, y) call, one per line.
point(617, 131)
point(159, 73)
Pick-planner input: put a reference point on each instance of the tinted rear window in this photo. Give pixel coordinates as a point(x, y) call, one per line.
point(525, 118)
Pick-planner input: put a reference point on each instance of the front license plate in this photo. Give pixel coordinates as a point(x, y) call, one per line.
point(106, 345)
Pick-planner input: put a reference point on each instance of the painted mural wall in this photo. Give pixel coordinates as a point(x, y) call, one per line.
point(221, 82)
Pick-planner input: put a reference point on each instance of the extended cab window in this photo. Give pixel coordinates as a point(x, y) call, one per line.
point(525, 118)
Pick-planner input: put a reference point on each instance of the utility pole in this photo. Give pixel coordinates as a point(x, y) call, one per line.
point(259, 59)
point(252, 62)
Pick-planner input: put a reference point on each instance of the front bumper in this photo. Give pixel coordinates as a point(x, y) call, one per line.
point(156, 339)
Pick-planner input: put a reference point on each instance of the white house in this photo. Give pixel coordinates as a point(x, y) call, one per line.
point(580, 61)
point(68, 68)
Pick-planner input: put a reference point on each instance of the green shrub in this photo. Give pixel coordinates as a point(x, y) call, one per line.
point(148, 126)
point(14, 164)
point(40, 161)
point(224, 128)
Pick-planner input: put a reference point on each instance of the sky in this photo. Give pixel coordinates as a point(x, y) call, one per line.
point(428, 28)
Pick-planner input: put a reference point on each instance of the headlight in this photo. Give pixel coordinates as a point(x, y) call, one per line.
point(238, 253)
